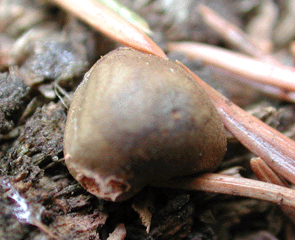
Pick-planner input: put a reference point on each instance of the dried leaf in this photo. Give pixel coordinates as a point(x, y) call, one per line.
point(145, 208)
point(119, 233)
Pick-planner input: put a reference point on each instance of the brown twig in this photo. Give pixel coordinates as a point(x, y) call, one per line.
point(292, 51)
point(258, 71)
point(232, 34)
point(271, 91)
point(266, 174)
point(284, 30)
point(261, 25)
point(46, 230)
point(219, 183)
point(105, 20)
point(276, 149)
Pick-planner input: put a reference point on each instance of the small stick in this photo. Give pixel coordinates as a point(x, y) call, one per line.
point(107, 21)
point(292, 50)
point(45, 229)
point(269, 74)
point(237, 186)
point(272, 91)
point(232, 34)
point(284, 30)
point(277, 150)
point(261, 25)
point(266, 174)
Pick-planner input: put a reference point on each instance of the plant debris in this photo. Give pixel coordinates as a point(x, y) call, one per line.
point(44, 53)
point(14, 95)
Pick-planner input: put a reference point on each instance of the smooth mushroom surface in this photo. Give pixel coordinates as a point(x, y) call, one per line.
point(138, 120)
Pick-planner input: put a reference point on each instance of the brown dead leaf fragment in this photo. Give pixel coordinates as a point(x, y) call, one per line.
point(144, 206)
point(119, 233)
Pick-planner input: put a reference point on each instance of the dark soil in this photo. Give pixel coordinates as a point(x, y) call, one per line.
point(44, 53)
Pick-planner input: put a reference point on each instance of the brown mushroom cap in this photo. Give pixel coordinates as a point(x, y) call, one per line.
point(136, 120)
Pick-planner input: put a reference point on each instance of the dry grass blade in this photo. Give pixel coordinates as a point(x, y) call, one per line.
point(107, 21)
point(218, 183)
point(277, 150)
point(258, 71)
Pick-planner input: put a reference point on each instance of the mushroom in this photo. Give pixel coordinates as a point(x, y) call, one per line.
point(136, 120)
